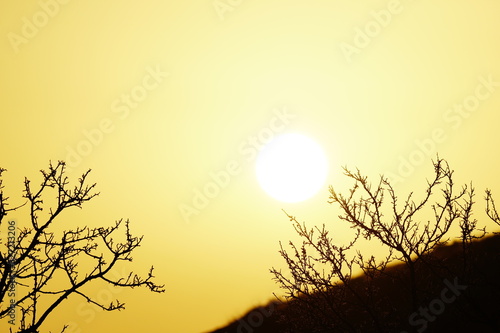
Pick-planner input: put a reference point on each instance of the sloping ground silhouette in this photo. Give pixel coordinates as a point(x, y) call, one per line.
point(455, 295)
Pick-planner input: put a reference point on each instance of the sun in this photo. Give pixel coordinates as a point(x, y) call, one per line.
point(291, 168)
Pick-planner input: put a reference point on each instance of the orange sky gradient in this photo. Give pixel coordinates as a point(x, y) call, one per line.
point(169, 102)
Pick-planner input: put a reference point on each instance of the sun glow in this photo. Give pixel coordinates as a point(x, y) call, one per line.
point(291, 168)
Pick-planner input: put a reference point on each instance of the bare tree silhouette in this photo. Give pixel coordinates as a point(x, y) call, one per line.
point(491, 209)
point(319, 279)
point(41, 266)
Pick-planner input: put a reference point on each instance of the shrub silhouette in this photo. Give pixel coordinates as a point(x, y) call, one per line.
point(320, 276)
point(34, 256)
point(425, 283)
point(475, 309)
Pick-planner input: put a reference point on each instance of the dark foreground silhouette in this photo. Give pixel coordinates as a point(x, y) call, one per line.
point(460, 292)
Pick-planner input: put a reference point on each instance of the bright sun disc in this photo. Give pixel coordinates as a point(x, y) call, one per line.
point(291, 168)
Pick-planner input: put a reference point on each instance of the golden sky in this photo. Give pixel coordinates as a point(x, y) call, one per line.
point(162, 98)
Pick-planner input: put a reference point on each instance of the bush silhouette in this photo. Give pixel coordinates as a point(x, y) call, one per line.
point(426, 282)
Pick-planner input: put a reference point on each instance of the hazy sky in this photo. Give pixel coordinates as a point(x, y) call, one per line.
point(164, 99)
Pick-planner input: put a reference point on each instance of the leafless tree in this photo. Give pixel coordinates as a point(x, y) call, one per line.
point(41, 265)
point(491, 209)
point(320, 269)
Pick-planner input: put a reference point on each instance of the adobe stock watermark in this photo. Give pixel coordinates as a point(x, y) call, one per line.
point(222, 7)
point(454, 118)
point(11, 261)
point(122, 107)
point(256, 318)
point(88, 312)
point(437, 306)
point(363, 36)
point(248, 150)
point(31, 26)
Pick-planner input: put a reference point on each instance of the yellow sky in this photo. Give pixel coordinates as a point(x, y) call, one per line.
point(162, 98)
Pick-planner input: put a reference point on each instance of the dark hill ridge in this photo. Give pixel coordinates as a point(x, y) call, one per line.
point(455, 295)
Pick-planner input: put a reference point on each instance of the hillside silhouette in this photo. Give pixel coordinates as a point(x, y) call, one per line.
point(459, 288)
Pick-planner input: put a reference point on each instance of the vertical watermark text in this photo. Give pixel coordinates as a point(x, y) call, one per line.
point(11, 262)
